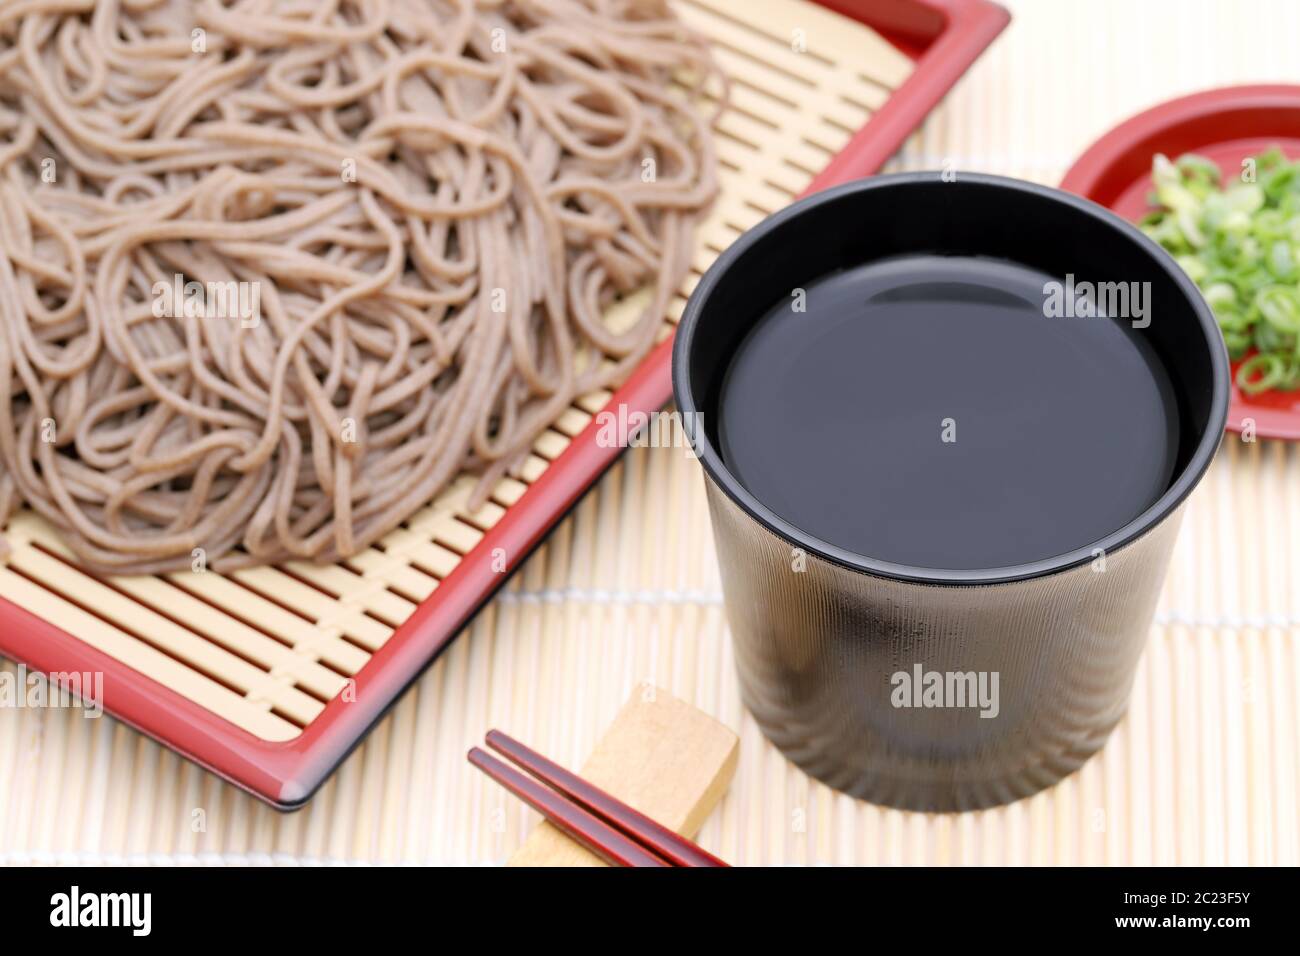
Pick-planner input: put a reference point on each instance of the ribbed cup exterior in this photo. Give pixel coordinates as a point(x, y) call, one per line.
point(818, 647)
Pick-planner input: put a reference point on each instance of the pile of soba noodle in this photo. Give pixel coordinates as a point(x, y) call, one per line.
point(395, 226)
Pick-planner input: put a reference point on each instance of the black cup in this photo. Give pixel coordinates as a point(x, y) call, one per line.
point(818, 652)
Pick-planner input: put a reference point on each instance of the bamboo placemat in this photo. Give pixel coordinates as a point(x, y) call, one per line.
point(1204, 770)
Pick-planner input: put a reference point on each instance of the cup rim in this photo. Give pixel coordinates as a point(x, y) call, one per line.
point(1153, 515)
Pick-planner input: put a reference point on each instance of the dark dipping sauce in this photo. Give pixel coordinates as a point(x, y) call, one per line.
point(835, 417)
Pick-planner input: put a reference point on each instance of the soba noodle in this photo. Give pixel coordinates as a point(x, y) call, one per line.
point(272, 274)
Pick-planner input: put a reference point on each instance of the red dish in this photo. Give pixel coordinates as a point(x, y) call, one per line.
point(1225, 126)
point(944, 37)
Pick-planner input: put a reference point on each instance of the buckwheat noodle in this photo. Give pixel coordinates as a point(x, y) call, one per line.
point(432, 203)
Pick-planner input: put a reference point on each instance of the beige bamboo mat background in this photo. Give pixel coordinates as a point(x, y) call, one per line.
point(1204, 770)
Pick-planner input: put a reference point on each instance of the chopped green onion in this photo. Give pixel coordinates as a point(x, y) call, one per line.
point(1241, 244)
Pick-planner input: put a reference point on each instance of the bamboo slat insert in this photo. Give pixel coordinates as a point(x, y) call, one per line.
point(267, 648)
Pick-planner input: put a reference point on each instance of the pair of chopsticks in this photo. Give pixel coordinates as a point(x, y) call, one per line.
point(603, 824)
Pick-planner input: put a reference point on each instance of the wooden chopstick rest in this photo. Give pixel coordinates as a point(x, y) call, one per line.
point(578, 824)
point(675, 849)
point(661, 756)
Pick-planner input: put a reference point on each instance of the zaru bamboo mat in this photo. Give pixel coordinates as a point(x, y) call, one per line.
point(267, 648)
point(1203, 770)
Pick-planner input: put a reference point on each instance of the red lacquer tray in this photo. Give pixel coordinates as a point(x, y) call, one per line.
point(1225, 126)
point(939, 40)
